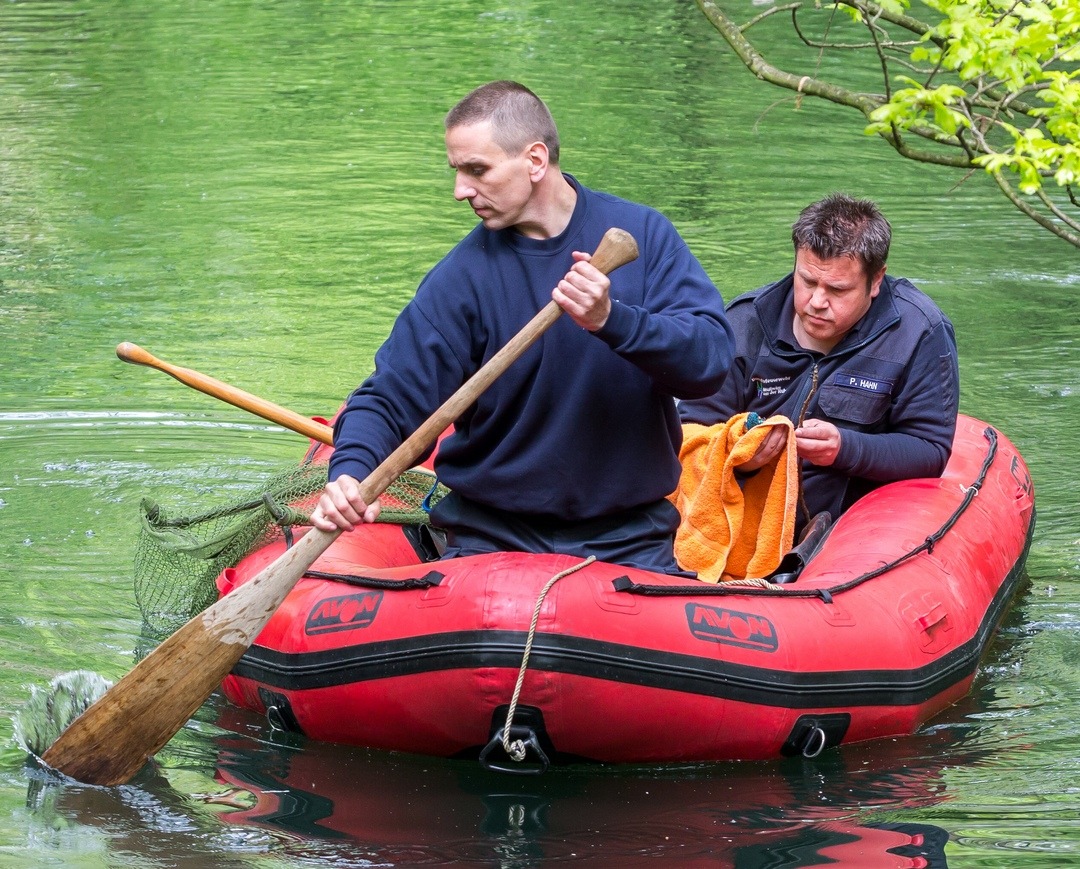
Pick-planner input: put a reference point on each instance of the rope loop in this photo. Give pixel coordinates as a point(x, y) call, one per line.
point(517, 749)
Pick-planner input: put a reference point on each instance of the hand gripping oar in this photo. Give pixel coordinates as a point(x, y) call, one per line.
point(111, 740)
point(244, 400)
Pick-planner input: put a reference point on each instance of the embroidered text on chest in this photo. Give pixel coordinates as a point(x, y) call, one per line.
point(867, 384)
point(766, 386)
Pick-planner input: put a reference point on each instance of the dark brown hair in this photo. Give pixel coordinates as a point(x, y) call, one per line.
point(840, 225)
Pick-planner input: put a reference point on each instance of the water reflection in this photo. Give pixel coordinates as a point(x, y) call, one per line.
point(410, 810)
point(351, 807)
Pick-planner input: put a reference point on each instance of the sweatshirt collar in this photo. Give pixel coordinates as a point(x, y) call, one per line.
point(557, 242)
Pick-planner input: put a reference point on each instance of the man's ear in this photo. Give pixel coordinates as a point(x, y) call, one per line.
point(538, 158)
point(875, 282)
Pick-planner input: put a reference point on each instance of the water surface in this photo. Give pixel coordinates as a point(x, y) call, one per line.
point(254, 190)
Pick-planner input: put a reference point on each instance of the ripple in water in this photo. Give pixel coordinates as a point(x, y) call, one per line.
point(50, 710)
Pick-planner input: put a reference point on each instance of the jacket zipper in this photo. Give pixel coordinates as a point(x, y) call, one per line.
point(802, 416)
point(809, 395)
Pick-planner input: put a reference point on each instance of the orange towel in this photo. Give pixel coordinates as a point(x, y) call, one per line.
point(730, 531)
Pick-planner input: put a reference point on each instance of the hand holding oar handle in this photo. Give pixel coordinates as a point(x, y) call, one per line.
point(616, 248)
point(111, 741)
point(237, 397)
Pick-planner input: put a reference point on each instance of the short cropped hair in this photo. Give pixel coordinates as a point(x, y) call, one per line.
point(518, 117)
point(840, 225)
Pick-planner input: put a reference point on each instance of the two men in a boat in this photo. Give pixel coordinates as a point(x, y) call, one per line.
point(575, 448)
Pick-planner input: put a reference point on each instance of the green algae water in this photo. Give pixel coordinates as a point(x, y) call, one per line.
point(254, 190)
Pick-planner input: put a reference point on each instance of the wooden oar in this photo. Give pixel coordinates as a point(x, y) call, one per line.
point(111, 741)
point(237, 397)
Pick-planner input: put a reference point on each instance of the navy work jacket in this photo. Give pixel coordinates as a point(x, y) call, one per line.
point(891, 386)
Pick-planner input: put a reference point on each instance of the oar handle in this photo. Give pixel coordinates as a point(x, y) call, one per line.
point(111, 740)
point(284, 417)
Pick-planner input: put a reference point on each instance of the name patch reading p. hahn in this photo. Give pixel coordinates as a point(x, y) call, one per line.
point(717, 625)
point(866, 384)
point(343, 613)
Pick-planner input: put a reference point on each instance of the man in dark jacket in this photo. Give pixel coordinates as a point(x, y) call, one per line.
point(863, 363)
point(575, 448)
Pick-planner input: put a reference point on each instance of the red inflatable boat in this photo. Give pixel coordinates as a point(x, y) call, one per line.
point(522, 660)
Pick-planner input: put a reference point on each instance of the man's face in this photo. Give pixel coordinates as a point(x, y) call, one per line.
point(831, 296)
point(497, 185)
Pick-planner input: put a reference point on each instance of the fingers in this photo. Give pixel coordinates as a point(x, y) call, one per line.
point(773, 444)
point(815, 429)
point(768, 449)
point(584, 293)
point(818, 442)
point(342, 506)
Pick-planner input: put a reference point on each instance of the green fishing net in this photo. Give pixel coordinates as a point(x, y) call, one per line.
point(177, 558)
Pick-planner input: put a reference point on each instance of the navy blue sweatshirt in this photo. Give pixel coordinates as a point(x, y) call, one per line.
point(583, 425)
point(891, 386)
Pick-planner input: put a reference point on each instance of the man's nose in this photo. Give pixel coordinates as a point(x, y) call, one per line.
point(462, 188)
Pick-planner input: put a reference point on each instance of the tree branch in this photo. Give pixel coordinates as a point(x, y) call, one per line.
point(1052, 207)
point(806, 84)
point(1046, 223)
point(984, 101)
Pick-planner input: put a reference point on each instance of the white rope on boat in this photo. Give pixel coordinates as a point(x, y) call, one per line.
point(750, 582)
point(516, 749)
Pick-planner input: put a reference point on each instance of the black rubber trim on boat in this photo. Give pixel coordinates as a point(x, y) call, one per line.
point(279, 711)
point(527, 728)
point(629, 665)
point(625, 584)
point(428, 580)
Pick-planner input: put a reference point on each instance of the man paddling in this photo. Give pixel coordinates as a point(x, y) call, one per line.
point(863, 363)
point(575, 448)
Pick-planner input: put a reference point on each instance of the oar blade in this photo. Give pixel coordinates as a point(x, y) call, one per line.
point(110, 742)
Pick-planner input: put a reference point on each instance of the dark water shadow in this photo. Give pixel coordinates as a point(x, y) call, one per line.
point(406, 810)
point(298, 801)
